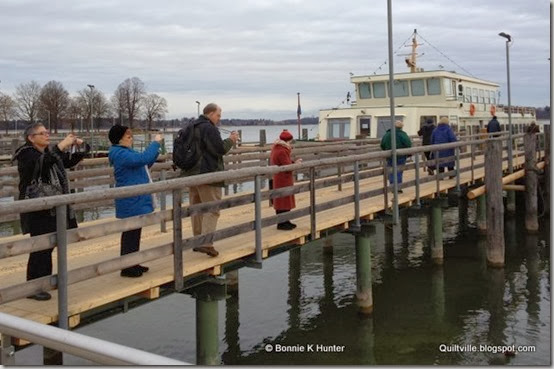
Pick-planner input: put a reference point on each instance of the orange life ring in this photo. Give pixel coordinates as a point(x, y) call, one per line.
point(493, 110)
point(471, 109)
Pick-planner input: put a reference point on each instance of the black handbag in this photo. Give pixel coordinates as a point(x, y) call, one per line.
point(37, 188)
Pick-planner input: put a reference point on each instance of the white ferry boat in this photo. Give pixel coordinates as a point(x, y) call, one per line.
point(469, 103)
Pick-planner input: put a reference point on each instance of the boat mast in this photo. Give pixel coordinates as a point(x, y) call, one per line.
point(411, 61)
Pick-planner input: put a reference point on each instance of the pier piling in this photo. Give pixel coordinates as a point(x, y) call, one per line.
point(364, 294)
point(495, 207)
point(207, 298)
point(531, 181)
point(482, 214)
point(437, 253)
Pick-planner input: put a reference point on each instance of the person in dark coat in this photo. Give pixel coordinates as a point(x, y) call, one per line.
point(493, 126)
point(54, 161)
point(441, 135)
point(131, 168)
point(402, 142)
point(425, 133)
point(212, 148)
point(281, 155)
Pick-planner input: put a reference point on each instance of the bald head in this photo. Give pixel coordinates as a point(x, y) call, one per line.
point(213, 112)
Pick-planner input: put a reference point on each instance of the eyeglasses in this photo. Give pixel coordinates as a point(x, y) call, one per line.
point(43, 133)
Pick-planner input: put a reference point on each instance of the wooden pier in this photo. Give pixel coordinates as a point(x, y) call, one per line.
point(356, 193)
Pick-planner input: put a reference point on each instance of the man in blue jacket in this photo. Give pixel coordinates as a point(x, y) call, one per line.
point(493, 126)
point(212, 149)
point(131, 168)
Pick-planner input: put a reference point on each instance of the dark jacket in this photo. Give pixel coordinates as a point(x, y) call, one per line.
point(425, 132)
point(402, 140)
point(441, 135)
point(44, 221)
point(211, 146)
point(281, 155)
point(129, 168)
point(493, 126)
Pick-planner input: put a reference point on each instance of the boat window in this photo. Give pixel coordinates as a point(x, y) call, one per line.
point(467, 97)
point(448, 90)
point(339, 128)
point(474, 97)
point(379, 89)
point(488, 96)
point(433, 86)
point(481, 96)
point(365, 90)
point(418, 88)
point(493, 97)
point(400, 88)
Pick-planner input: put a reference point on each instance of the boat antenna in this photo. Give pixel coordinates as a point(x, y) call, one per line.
point(395, 52)
point(452, 61)
point(411, 61)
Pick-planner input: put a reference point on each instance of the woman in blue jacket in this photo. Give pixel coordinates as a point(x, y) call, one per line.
point(441, 135)
point(131, 168)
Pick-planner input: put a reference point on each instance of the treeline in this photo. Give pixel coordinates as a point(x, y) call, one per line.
point(543, 113)
point(267, 122)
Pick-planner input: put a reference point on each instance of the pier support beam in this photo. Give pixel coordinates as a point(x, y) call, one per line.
point(364, 293)
point(295, 292)
point(511, 202)
point(328, 245)
point(207, 339)
point(437, 254)
point(495, 207)
point(232, 279)
point(482, 214)
point(531, 181)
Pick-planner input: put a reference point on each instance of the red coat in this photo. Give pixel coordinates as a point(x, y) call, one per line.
point(280, 155)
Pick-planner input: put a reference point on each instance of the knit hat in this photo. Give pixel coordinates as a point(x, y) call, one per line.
point(285, 135)
point(116, 133)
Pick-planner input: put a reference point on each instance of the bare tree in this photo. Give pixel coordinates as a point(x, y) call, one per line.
point(7, 109)
point(155, 107)
point(74, 112)
point(100, 105)
point(118, 105)
point(54, 101)
point(27, 99)
point(132, 92)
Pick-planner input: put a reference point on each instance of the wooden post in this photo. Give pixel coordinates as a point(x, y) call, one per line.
point(262, 137)
point(437, 254)
point(163, 206)
point(547, 168)
point(7, 351)
point(232, 279)
point(531, 181)
point(328, 244)
point(305, 133)
point(364, 294)
point(177, 241)
point(495, 206)
point(482, 214)
point(207, 334)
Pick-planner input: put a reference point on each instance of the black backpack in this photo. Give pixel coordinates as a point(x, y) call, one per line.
point(185, 147)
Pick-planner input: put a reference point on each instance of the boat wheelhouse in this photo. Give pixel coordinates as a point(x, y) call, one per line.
point(468, 102)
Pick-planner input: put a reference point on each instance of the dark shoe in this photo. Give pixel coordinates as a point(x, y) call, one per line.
point(132, 272)
point(142, 268)
point(286, 226)
point(209, 250)
point(431, 172)
point(41, 296)
point(400, 191)
point(291, 224)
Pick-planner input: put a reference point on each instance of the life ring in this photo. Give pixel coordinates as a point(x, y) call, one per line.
point(471, 109)
point(493, 110)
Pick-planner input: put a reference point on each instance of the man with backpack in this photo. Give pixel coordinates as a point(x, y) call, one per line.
point(199, 149)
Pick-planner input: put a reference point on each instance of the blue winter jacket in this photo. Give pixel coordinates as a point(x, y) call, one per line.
point(129, 169)
point(441, 135)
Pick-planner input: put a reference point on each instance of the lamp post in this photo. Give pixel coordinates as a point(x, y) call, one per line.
point(508, 40)
point(91, 127)
point(48, 111)
point(197, 108)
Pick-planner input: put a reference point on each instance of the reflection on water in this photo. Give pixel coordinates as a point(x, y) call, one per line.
point(307, 296)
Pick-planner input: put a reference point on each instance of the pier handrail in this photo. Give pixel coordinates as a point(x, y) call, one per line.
point(94, 349)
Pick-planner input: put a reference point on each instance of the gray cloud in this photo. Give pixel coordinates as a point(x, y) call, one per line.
point(253, 56)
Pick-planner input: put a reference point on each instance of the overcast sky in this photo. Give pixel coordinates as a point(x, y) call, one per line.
point(253, 56)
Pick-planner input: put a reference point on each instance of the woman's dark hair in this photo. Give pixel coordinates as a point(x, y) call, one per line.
point(30, 129)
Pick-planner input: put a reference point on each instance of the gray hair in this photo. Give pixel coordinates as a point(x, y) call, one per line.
point(30, 129)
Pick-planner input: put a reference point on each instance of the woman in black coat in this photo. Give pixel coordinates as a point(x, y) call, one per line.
point(54, 161)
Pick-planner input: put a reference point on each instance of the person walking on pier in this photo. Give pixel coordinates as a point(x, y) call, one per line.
point(281, 155)
point(212, 148)
point(425, 133)
point(441, 135)
point(131, 168)
point(37, 159)
point(493, 125)
point(402, 142)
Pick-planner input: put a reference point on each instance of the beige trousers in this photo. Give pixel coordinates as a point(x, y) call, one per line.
point(207, 222)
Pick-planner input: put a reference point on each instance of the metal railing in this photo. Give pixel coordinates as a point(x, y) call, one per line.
point(90, 348)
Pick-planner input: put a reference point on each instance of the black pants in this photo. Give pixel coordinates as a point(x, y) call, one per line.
point(39, 264)
point(441, 169)
point(130, 241)
point(281, 212)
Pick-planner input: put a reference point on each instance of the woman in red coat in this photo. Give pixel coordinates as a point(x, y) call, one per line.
point(281, 155)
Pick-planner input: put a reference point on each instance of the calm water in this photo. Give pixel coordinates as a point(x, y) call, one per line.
point(307, 297)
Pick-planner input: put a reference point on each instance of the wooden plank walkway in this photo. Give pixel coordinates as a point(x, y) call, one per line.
point(93, 293)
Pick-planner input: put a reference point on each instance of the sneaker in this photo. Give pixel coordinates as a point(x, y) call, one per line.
point(286, 226)
point(208, 250)
point(41, 296)
point(142, 268)
point(132, 272)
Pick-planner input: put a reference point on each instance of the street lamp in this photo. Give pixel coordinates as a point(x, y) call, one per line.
point(91, 128)
point(508, 41)
point(48, 111)
point(197, 108)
